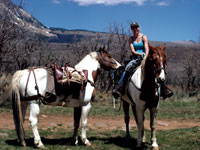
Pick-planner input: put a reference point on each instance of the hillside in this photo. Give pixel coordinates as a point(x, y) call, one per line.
point(62, 45)
point(20, 18)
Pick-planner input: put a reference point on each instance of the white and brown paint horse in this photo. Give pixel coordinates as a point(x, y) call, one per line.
point(21, 90)
point(142, 92)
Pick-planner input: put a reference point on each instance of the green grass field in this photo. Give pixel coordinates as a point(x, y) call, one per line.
point(58, 138)
point(179, 139)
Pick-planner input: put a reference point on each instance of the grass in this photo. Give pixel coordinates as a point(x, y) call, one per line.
point(179, 109)
point(179, 139)
point(59, 138)
point(167, 109)
point(104, 107)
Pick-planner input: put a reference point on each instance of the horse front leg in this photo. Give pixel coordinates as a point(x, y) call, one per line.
point(126, 118)
point(136, 120)
point(77, 117)
point(34, 112)
point(153, 113)
point(84, 118)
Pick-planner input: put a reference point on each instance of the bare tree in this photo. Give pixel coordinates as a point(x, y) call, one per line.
point(117, 43)
point(191, 78)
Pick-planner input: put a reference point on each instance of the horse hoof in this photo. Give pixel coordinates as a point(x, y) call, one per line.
point(88, 144)
point(39, 145)
point(155, 148)
point(144, 139)
point(23, 143)
point(128, 137)
point(76, 143)
point(42, 147)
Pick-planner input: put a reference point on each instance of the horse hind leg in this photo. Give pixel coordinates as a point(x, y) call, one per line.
point(126, 118)
point(24, 106)
point(34, 112)
point(77, 116)
point(84, 118)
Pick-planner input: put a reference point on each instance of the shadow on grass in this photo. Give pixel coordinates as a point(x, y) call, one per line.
point(30, 142)
point(117, 141)
point(120, 142)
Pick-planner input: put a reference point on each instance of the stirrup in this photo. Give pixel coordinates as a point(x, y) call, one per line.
point(116, 94)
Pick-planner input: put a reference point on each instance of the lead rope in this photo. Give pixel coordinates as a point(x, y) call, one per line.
point(159, 91)
point(114, 100)
point(114, 105)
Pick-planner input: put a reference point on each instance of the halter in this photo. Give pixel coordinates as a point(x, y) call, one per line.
point(104, 59)
point(158, 69)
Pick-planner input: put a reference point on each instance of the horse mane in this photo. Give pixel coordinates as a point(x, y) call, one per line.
point(84, 62)
point(143, 64)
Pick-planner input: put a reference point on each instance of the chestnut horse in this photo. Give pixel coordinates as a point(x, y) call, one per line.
point(32, 85)
point(142, 91)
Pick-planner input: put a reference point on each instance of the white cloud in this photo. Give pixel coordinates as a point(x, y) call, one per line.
point(107, 2)
point(163, 3)
point(56, 1)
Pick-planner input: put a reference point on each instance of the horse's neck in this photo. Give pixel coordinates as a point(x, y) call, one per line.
point(89, 63)
point(148, 72)
point(137, 78)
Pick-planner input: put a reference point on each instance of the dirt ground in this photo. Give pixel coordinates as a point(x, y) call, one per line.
point(95, 122)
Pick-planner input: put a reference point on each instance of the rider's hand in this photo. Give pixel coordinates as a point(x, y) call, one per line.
point(142, 54)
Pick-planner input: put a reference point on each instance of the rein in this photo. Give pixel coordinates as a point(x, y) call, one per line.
point(114, 104)
point(159, 91)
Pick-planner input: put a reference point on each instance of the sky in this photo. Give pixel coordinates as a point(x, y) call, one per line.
point(160, 20)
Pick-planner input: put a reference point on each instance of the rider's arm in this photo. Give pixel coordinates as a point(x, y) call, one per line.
point(146, 46)
point(132, 47)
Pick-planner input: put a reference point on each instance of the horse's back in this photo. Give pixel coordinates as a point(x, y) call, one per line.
point(30, 78)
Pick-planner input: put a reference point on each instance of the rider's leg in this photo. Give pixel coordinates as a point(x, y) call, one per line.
point(118, 88)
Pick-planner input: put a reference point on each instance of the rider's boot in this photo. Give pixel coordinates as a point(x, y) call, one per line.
point(117, 91)
point(165, 91)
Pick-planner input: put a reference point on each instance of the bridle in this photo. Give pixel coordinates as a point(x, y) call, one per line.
point(158, 70)
point(104, 59)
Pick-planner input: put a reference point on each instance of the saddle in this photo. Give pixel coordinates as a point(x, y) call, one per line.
point(69, 74)
point(69, 81)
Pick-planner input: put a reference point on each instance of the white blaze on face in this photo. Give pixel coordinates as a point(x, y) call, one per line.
point(162, 73)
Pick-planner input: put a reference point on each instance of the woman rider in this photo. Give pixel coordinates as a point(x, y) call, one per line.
point(139, 47)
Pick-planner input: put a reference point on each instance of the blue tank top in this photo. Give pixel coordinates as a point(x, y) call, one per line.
point(139, 47)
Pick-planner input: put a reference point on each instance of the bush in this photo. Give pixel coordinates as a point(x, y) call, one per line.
point(5, 89)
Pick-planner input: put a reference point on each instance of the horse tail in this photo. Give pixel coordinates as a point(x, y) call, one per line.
point(16, 107)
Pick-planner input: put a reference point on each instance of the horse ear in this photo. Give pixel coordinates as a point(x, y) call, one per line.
point(164, 46)
point(104, 47)
point(151, 49)
point(100, 49)
point(149, 46)
point(95, 48)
